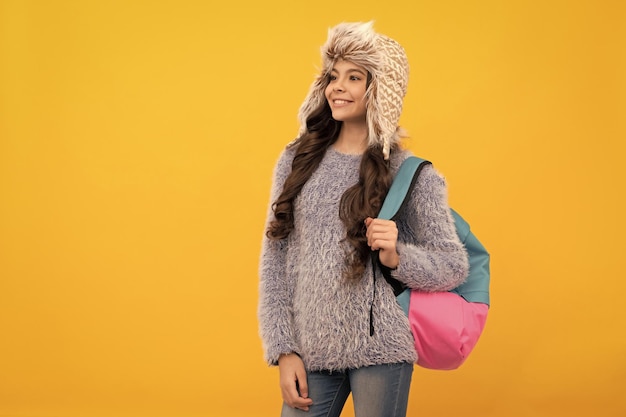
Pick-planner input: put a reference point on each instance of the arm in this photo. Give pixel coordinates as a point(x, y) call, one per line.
point(275, 289)
point(431, 256)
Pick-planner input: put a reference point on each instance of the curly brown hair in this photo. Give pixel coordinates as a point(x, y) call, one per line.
point(358, 202)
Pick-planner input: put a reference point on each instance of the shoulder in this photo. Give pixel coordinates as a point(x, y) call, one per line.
point(429, 173)
point(286, 155)
point(397, 158)
point(283, 164)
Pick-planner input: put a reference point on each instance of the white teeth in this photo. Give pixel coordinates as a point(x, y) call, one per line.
point(341, 102)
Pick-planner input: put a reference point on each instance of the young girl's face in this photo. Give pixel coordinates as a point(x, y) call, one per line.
point(346, 92)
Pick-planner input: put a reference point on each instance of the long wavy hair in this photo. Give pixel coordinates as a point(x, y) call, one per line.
point(362, 200)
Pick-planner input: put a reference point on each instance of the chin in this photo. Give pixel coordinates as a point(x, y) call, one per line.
point(340, 117)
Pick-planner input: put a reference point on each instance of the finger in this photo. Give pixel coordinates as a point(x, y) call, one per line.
point(303, 386)
point(381, 222)
point(290, 389)
point(375, 230)
point(384, 233)
point(381, 226)
point(290, 395)
point(299, 402)
point(382, 245)
point(379, 240)
point(302, 403)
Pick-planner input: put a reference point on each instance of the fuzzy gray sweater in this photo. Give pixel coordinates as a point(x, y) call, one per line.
point(305, 304)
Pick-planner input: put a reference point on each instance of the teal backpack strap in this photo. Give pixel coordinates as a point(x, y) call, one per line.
point(402, 183)
point(396, 197)
point(476, 288)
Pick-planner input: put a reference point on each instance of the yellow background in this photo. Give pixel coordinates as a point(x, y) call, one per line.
point(137, 140)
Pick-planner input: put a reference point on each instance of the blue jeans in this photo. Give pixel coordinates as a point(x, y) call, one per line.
point(377, 391)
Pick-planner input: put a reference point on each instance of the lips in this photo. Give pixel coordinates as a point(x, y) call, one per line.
point(341, 102)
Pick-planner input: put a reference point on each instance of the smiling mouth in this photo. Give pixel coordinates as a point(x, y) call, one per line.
point(340, 102)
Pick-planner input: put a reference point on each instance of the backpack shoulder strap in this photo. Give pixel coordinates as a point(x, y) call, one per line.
point(396, 197)
point(403, 182)
point(476, 288)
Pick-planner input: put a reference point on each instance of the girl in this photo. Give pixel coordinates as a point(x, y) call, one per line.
point(325, 320)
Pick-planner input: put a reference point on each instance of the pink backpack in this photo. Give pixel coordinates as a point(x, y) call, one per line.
point(445, 325)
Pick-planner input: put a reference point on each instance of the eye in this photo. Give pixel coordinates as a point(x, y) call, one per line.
point(332, 77)
point(355, 78)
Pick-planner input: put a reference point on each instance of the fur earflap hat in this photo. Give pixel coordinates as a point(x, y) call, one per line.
point(387, 64)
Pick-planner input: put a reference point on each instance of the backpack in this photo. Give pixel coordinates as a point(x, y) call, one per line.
point(445, 325)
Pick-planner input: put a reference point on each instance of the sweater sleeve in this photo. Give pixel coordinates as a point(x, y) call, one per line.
point(275, 288)
point(432, 258)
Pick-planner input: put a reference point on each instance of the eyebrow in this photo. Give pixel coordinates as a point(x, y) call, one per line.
point(350, 70)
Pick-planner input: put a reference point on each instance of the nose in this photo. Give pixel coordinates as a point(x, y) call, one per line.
point(338, 84)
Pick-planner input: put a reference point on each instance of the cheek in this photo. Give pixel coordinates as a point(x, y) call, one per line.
point(327, 91)
point(362, 93)
point(364, 98)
